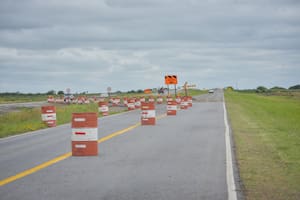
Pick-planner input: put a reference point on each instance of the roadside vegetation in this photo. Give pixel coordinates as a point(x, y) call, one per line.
point(29, 119)
point(266, 130)
point(19, 97)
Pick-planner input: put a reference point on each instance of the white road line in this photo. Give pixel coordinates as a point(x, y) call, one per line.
point(229, 167)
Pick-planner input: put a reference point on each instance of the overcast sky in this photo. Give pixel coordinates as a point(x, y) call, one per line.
point(88, 45)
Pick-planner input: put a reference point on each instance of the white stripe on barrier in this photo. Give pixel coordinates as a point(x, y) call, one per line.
point(79, 119)
point(84, 134)
point(50, 116)
point(103, 109)
point(171, 107)
point(148, 113)
point(80, 146)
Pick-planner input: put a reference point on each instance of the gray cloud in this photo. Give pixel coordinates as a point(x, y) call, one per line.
point(132, 44)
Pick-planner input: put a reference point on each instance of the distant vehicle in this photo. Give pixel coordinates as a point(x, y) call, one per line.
point(211, 91)
point(161, 90)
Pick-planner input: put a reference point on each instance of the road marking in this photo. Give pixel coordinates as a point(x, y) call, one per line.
point(118, 133)
point(64, 156)
point(34, 169)
point(231, 188)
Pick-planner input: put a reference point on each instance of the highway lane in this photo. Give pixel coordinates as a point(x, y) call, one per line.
point(26, 151)
point(182, 157)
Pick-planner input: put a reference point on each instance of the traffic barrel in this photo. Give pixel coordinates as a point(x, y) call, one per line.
point(171, 108)
point(159, 100)
point(178, 100)
point(190, 101)
point(142, 99)
point(169, 98)
point(131, 104)
point(184, 103)
point(103, 108)
point(50, 99)
point(84, 134)
point(151, 99)
point(137, 103)
point(49, 115)
point(116, 101)
point(125, 101)
point(148, 113)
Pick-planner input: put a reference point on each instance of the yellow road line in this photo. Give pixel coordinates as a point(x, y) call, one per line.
point(118, 133)
point(34, 169)
point(64, 156)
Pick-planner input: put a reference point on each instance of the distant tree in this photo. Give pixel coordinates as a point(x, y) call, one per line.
point(278, 88)
point(261, 89)
point(295, 87)
point(60, 92)
point(131, 91)
point(140, 91)
point(51, 92)
point(229, 88)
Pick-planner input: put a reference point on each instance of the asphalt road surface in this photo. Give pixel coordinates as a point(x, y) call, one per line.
point(181, 157)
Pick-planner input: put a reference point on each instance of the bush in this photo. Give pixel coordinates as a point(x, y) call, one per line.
point(295, 87)
point(261, 89)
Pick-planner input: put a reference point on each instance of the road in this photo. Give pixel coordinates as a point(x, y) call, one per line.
point(181, 157)
point(4, 108)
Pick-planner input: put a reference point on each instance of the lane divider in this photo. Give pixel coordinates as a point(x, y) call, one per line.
point(65, 156)
point(34, 169)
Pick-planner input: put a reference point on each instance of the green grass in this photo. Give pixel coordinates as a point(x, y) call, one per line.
point(29, 119)
point(267, 136)
point(18, 98)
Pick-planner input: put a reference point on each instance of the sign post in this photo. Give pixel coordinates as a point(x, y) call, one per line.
point(108, 92)
point(185, 89)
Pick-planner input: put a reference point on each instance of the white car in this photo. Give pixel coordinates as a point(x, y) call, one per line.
point(211, 91)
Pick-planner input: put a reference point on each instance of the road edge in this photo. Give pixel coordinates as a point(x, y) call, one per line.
point(231, 186)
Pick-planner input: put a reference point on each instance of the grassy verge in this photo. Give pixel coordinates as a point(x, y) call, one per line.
point(6, 98)
point(267, 136)
point(29, 119)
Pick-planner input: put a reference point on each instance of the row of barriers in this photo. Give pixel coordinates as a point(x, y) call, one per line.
point(115, 101)
point(49, 112)
point(85, 125)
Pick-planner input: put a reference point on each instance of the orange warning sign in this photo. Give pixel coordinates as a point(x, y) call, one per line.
point(170, 79)
point(147, 91)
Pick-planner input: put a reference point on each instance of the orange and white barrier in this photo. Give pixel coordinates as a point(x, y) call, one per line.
point(178, 100)
point(171, 108)
point(142, 99)
point(115, 101)
point(148, 113)
point(84, 134)
point(159, 100)
point(50, 99)
point(151, 100)
point(131, 104)
point(184, 103)
point(190, 101)
point(49, 115)
point(103, 108)
point(125, 101)
point(169, 98)
point(137, 103)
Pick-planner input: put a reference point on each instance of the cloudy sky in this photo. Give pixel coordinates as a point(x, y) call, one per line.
point(88, 45)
